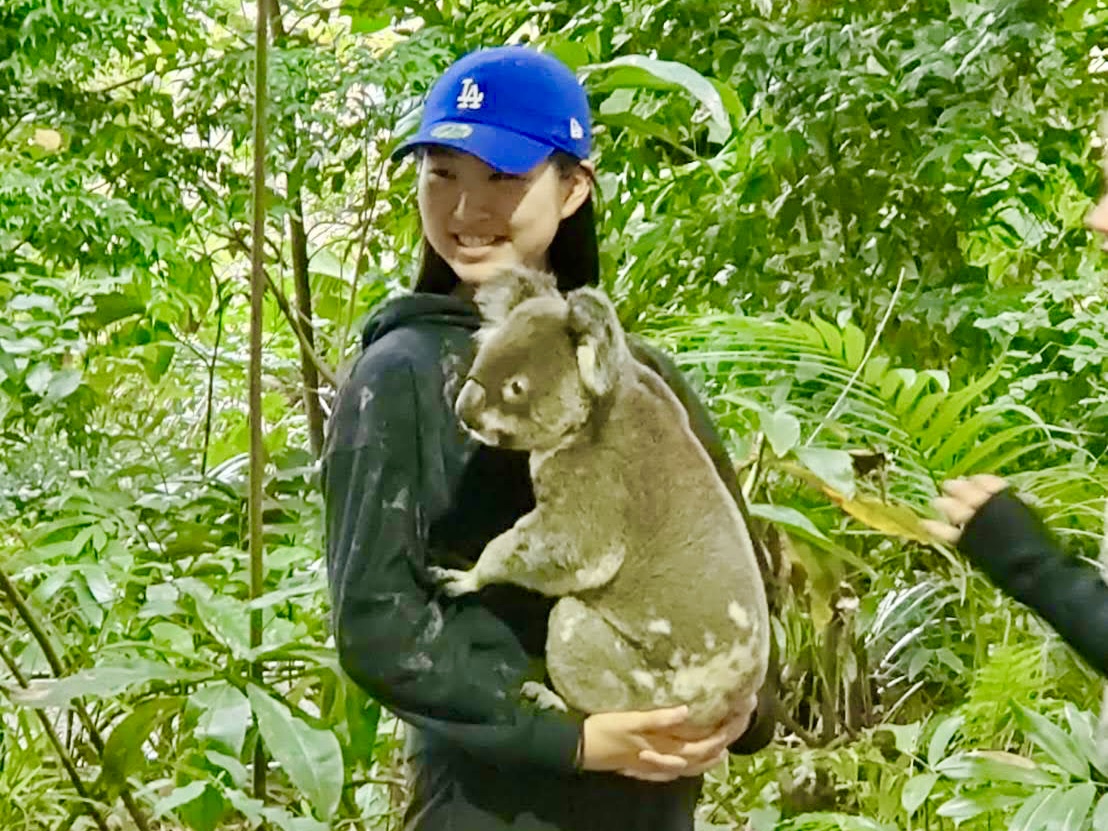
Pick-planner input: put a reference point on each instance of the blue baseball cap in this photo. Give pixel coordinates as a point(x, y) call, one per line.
point(510, 106)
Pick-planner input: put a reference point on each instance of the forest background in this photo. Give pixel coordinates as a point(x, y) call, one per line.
point(858, 225)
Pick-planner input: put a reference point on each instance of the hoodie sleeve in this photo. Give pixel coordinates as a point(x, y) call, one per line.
point(449, 667)
point(1009, 543)
point(763, 724)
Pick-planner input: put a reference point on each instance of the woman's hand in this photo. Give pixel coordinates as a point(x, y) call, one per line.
point(964, 498)
point(661, 747)
point(618, 741)
point(703, 747)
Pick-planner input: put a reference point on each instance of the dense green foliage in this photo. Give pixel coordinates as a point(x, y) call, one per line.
point(859, 224)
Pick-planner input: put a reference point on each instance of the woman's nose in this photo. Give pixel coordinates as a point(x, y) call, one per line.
point(469, 206)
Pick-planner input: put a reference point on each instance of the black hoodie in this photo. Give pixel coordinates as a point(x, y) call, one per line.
point(406, 487)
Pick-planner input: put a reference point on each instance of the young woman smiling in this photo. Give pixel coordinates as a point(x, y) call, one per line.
point(504, 178)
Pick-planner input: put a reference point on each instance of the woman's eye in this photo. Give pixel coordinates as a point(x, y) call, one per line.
point(507, 177)
point(440, 173)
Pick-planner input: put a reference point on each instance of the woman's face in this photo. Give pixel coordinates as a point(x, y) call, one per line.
point(480, 221)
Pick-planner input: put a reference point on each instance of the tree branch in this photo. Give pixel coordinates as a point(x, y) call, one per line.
point(59, 747)
point(38, 632)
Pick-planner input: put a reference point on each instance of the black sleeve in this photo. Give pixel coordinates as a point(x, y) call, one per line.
point(763, 723)
point(451, 668)
point(1007, 540)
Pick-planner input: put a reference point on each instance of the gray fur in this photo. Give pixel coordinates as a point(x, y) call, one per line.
point(662, 602)
point(498, 297)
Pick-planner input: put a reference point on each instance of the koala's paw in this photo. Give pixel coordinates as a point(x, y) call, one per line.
point(543, 696)
point(455, 582)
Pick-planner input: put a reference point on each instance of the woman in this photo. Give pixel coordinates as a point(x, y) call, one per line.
point(504, 178)
point(1006, 540)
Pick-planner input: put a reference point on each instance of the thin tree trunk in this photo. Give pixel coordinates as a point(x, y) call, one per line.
point(298, 238)
point(303, 288)
point(257, 297)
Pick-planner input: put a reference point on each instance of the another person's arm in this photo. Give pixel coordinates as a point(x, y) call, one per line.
point(1008, 541)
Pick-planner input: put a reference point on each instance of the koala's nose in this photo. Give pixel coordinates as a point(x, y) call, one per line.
point(469, 403)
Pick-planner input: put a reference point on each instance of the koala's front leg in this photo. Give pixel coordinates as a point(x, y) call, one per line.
point(531, 556)
point(491, 567)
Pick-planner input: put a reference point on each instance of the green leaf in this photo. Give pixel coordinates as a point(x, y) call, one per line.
point(311, 758)
point(854, 346)
point(639, 71)
point(1060, 746)
point(980, 800)
point(916, 790)
point(256, 812)
point(1083, 728)
point(38, 379)
point(906, 735)
point(731, 101)
point(123, 754)
point(936, 748)
point(1074, 807)
point(1030, 816)
point(996, 766)
point(789, 517)
point(99, 682)
point(224, 618)
point(366, 16)
point(834, 467)
point(1100, 815)
point(224, 715)
point(782, 430)
point(179, 797)
point(63, 384)
point(230, 764)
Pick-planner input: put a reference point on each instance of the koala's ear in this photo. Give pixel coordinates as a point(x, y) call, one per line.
point(502, 292)
point(595, 329)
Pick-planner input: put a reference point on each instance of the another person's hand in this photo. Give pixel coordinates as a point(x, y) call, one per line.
point(963, 499)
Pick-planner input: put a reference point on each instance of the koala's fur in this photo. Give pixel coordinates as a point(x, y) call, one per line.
point(662, 602)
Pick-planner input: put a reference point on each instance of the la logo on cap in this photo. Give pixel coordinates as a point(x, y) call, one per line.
point(576, 131)
point(471, 96)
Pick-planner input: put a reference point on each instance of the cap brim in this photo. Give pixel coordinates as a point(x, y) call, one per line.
point(504, 150)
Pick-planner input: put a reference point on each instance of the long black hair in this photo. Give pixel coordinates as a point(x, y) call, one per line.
point(574, 252)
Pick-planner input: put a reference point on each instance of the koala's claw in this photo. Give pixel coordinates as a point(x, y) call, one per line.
point(454, 581)
point(543, 696)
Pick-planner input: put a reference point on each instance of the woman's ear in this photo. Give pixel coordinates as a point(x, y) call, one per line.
point(594, 326)
point(577, 186)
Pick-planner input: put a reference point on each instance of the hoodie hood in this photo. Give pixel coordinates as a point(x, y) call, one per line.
point(422, 308)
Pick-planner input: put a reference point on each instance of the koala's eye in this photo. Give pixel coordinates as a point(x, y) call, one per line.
point(515, 389)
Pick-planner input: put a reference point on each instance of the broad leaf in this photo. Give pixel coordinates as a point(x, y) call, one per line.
point(916, 790)
point(310, 757)
point(639, 71)
point(224, 716)
point(123, 751)
point(99, 682)
point(1058, 745)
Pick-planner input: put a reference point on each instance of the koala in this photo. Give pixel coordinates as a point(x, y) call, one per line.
point(661, 602)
